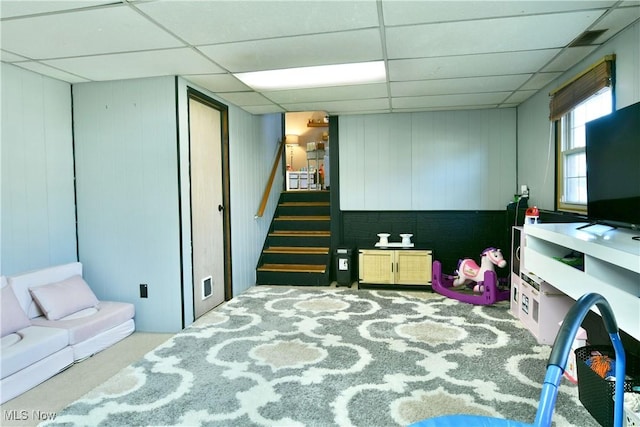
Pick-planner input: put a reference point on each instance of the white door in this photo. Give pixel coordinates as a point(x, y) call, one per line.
point(207, 209)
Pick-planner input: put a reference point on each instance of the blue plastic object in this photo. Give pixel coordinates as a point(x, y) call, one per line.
point(555, 369)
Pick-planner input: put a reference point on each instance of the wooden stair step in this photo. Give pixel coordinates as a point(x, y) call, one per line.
point(293, 268)
point(296, 250)
point(303, 218)
point(297, 204)
point(301, 233)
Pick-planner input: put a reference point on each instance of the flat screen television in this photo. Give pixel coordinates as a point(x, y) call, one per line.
point(613, 168)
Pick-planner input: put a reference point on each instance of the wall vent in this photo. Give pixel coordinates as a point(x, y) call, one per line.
point(587, 38)
point(207, 287)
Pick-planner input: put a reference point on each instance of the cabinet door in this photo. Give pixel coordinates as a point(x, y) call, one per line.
point(376, 266)
point(413, 267)
point(517, 249)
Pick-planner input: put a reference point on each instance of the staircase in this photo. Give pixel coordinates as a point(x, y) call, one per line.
point(297, 248)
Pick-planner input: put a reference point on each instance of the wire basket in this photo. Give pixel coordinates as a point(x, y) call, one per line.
point(597, 393)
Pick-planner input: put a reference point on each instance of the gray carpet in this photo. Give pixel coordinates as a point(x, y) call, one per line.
point(279, 356)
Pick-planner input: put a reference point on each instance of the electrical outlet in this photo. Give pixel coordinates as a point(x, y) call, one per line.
point(143, 290)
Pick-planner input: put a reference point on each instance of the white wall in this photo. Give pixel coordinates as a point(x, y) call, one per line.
point(450, 160)
point(127, 163)
point(130, 166)
point(252, 150)
point(37, 208)
point(536, 147)
point(126, 154)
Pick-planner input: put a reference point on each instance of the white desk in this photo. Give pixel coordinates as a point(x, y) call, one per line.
point(611, 265)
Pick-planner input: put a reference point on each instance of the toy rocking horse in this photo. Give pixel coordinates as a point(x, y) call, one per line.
point(468, 271)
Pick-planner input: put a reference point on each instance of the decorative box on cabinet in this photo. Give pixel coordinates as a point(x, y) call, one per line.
point(395, 266)
point(542, 307)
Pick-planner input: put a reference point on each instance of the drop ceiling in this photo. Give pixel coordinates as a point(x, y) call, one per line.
point(439, 55)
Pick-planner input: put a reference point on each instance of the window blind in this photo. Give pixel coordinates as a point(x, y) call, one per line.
point(581, 87)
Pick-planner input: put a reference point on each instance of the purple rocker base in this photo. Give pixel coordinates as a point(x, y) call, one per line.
point(443, 284)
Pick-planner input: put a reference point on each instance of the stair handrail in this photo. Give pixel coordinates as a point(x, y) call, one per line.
point(267, 190)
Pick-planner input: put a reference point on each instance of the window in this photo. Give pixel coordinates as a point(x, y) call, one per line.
point(586, 97)
point(572, 164)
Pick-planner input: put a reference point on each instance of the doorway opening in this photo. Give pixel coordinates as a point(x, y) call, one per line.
point(307, 151)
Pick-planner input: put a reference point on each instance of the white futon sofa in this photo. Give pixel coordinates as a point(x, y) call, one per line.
point(50, 319)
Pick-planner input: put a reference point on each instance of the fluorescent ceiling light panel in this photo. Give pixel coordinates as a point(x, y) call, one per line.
point(318, 76)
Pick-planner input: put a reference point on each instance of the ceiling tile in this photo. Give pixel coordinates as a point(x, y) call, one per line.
point(568, 57)
point(447, 108)
point(10, 57)
point(263, 109)
point(300, 51)
point(443, 54)
point(470, 65)
point(51, 72)
point(458, 85)
point(230, 21)
point(616, 21)
point(539, 81)
point(415, 12)
point(243, 99)
point(13, 8)
point(135, 65)
point(337, 93)
point(95, 31)
point(341, 107)
point(487, 36)
point(520, 96)
point(450, 100)
point(218, 82)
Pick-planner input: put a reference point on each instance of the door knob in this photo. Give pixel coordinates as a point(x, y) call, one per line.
point(220, 208)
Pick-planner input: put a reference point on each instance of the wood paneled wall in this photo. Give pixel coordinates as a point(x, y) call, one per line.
point(37, 226)
point(452, 160)
point(126, 154)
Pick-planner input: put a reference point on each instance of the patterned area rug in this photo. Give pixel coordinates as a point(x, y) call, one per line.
point(280, 356)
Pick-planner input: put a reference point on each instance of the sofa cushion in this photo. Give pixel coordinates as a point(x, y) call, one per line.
point(12, 316)
point(22, 282)
point(28, 346)
point(107, 315)
point(60, 299)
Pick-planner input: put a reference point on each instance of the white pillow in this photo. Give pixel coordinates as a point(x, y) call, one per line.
point(60, 299)
point(12, 318)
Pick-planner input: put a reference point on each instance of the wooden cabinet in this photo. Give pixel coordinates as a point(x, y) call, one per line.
point(395, 267)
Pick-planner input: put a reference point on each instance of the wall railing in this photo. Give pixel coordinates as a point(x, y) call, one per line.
point(267, 190)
